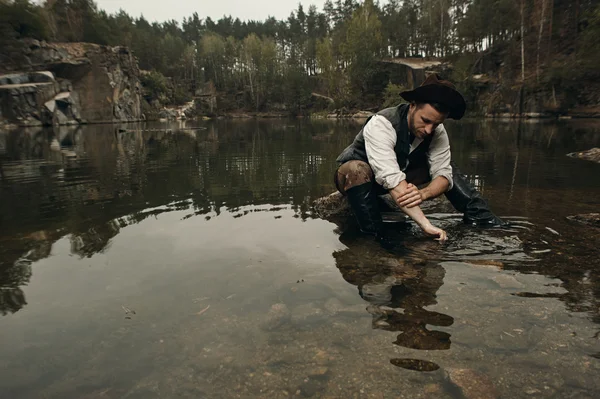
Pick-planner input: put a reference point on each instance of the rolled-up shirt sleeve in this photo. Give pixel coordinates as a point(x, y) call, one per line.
point(380, 141)
point(439, 156)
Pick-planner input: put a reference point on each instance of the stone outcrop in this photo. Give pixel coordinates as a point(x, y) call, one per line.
point(72, 83)
point(23, 97)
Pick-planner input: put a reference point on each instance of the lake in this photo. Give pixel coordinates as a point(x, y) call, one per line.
point(186, 260)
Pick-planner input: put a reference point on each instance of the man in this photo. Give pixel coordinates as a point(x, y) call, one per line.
point(403, 147)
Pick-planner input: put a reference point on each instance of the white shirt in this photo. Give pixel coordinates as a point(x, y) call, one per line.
point(380, 140)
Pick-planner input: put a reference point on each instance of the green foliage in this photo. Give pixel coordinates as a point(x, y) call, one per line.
point(181, 96)
point(363, 47)
point(266, 63)
point(24, 19)
point(463, 68)
point(18, 19)
point(155, 86)
point(261, 69)
point(391, 95)
point(589, 49)
point(296, 90)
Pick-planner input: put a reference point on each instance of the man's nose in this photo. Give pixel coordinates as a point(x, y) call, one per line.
point(428, 129)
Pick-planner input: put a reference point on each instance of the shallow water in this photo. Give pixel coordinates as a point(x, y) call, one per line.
point(186, 261)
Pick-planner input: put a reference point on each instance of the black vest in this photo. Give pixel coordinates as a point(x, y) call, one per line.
point(398, 118)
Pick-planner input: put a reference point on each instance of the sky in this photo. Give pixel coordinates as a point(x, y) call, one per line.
point(160, 11)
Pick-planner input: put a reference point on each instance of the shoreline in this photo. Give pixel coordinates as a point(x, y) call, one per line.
point(359, 116)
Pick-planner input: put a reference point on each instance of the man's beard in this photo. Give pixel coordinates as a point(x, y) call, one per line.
point(411, 123)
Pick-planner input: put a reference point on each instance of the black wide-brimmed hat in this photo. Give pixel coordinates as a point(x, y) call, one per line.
point(435, 90)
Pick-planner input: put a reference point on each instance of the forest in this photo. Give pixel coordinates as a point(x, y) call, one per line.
point(547, 47)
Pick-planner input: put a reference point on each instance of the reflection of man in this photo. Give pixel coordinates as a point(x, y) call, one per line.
point(402, 147)
point(398, 291)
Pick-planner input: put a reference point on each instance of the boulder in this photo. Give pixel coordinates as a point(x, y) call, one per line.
point(332, 206)
point(335, 207)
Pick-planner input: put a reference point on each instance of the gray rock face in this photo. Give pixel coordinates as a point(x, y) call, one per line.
point(72, 83)
point(22, 97)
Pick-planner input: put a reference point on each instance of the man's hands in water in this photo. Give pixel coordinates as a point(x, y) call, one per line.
point(433, 231)
point(406, 190)
point(407, 195)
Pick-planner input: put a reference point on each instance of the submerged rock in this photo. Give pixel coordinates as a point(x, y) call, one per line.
point(333, 306)
point(415, 364)
point(589, 155)
point(591, 219)
point(278, 315)
point(507, 281)
point(308, 314)
point(472, 384)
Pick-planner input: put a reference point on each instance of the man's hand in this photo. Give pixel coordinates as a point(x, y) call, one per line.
point(412, 197)
point(433, 231)
point(407, 195)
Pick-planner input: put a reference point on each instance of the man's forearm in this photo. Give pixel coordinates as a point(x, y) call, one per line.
point(412, 209)
point(416, 214)
point(437, 187)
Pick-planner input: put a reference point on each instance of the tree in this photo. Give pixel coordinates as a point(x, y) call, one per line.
point(363, 47)
point(212, 49)
point(260, 64)
point(331, 75)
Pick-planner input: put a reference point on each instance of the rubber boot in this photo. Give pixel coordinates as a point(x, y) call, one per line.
point(365, 207)
point(466, 199)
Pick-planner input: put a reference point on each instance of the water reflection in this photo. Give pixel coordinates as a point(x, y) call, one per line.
point(398, 290)
point(91, 182)
point(141, 200)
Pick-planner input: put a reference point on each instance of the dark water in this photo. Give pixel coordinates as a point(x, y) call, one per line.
point(164, 262)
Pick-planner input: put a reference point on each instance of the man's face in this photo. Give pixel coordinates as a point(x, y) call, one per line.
point(424, 119)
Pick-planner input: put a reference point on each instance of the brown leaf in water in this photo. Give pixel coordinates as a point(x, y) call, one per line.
point(203, 311)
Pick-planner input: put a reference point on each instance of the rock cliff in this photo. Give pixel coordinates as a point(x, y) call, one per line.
point(71, 83)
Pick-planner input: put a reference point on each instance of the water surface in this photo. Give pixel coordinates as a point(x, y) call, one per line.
point(185, 260)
